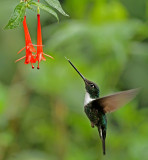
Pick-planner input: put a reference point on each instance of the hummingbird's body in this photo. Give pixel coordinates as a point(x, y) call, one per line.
point(96, 108)
point(97, 118)
point(95, 114)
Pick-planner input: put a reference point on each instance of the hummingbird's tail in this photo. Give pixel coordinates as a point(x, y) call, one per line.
point(102, 133)
point(103, 145)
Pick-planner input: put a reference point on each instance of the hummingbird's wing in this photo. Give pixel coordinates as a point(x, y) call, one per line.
point(113, 102)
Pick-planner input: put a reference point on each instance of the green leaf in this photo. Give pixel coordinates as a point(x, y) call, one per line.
point(45, 8)
point(56, 4)
point(17, 16)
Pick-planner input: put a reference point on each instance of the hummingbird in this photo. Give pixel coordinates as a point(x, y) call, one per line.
point(96, 107)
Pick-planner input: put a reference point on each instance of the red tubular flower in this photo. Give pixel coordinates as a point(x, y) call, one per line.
point(40, 54)
point(29, 46)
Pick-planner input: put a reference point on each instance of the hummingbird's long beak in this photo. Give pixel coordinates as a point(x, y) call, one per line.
point(77, 70)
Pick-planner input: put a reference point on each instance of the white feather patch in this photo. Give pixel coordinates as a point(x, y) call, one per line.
point(87, 99)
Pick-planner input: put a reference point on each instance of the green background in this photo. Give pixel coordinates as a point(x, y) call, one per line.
point(41, 111)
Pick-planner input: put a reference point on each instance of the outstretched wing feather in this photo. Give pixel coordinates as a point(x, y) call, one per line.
point(113, 102)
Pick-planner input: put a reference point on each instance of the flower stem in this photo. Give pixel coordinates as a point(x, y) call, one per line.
point(38, 10)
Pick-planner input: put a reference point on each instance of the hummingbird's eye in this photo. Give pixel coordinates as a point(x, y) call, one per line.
point(92, 85)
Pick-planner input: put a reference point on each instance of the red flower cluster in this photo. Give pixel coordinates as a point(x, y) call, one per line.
point(29, 57)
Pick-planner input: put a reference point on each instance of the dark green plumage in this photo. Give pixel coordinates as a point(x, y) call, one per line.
point(97, 118)
point(96, 108)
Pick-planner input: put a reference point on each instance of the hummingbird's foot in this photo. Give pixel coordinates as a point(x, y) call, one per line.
point(92, 125)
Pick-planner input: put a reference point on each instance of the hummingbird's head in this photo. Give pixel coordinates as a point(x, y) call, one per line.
point(90, 87)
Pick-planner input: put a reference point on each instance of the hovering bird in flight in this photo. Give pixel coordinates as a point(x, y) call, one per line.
point(96, 108)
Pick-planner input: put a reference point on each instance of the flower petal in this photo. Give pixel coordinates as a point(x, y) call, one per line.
point(21, 50)
point(20, 59)
point(48, 55)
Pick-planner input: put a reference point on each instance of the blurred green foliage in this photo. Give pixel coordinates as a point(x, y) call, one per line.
point(41, 111)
